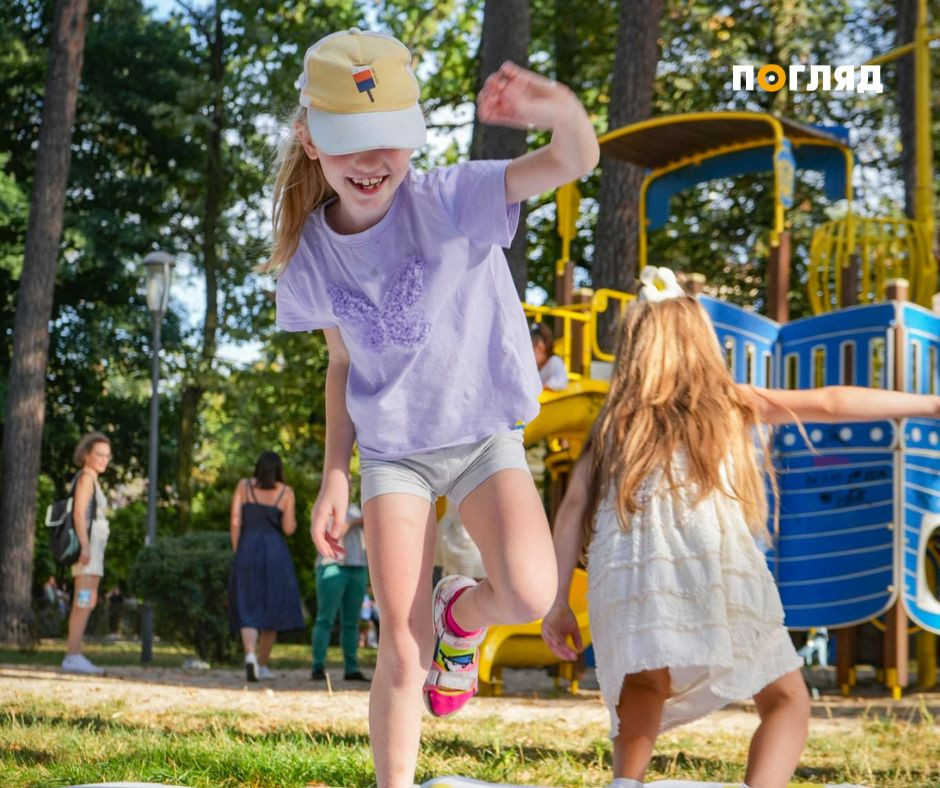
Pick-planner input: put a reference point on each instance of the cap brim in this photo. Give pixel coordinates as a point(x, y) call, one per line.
point(336, 134)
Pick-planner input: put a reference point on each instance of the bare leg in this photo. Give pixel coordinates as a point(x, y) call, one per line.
point(399, 532)
point(783, 706)
point(640, 711)
point(265, 644)
point(249, 639)
point(84, 599)
point(505, 518)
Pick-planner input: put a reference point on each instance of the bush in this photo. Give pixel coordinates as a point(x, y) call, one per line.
point(185, 578)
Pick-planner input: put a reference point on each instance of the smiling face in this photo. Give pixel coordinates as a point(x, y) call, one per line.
point(98, 457)
point(365, 182)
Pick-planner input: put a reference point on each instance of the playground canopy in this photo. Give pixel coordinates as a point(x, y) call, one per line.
point(679, 151)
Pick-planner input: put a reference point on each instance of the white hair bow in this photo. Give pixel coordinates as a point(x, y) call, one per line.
point(658, 284)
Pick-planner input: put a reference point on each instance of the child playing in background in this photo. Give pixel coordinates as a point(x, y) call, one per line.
point(551, 367)
point(399, 269)
point(666, 500)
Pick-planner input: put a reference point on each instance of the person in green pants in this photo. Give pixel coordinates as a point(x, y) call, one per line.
point(341, 585)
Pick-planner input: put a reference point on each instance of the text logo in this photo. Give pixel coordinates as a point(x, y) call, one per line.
point(771, 78)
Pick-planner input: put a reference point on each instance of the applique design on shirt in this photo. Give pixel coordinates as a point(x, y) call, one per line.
point(396, 321)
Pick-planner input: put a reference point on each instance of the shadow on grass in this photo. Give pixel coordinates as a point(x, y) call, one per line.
point(26, 756)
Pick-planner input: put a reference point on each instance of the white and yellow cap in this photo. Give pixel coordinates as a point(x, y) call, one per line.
point(360, 93)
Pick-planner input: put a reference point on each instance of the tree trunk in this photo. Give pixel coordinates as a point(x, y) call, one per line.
point(25, 406)
point(617, 236)
point(505, 37)
point(212, 211)
point(906, 20)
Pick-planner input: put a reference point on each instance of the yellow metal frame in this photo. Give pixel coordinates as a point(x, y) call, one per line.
point(779, 136)
point(569, 317)
point(920, 46)
point(884, 247)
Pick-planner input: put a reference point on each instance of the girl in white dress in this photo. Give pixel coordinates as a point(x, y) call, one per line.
point(666, 502)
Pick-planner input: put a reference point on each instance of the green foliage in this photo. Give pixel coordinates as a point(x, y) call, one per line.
point(186, 579)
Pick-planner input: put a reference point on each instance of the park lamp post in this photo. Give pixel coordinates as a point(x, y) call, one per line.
point(159, 273)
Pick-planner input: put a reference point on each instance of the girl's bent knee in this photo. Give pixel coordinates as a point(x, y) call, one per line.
point(530, 606)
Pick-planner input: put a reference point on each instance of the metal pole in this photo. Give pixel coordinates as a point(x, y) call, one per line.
point(146, 616)
point(923, 153)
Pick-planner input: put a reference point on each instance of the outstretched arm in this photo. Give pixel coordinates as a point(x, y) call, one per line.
point(839, 403)
point(519, 98)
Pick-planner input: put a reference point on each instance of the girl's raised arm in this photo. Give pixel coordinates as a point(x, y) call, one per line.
point(839, 403)
point(519, 98)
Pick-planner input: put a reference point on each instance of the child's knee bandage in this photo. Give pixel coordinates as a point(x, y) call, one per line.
point(83, 598)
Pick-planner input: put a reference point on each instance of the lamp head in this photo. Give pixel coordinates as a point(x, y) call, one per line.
point(159, 273)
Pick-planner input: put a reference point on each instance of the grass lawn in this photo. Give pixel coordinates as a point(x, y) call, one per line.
point(49, 737)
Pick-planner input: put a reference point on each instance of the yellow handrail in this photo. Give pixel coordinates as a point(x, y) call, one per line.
point(599, 304)
point(585, 315)
point(568, 317)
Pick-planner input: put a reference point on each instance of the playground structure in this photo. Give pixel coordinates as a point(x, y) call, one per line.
point(859, 520)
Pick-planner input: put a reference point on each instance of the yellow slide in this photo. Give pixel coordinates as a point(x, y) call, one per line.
point(568, 414)
point(522, 646)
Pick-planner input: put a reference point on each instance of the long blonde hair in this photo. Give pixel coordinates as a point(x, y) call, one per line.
point(671, 393)
point(299, 188)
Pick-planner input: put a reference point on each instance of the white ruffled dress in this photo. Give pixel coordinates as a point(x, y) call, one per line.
point(684, 587)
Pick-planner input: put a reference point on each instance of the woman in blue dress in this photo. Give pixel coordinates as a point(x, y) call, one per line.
point(263, 594)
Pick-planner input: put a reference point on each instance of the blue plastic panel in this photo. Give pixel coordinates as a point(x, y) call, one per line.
point(749, 336)
point(920, 458)
point(835, 546)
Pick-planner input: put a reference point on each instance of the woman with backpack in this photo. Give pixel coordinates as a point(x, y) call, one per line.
point(89, 515)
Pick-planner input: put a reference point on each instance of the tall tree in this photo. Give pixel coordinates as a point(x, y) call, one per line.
point(25, 406)
point(505, 37)
point(615, 248)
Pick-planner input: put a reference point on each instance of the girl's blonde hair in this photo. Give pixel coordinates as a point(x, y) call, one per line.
point(299, 188)
point(671, 393)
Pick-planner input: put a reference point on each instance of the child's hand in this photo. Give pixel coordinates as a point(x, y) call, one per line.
point(328, 519)
point(516, 97)
point(557, 626)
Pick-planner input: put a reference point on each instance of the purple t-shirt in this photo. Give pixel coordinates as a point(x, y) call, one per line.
point(439, 347)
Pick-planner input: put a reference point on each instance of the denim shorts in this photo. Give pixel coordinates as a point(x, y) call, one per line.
point(455, 471)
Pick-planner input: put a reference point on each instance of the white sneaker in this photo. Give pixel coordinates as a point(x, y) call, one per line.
point(264, 674)
point(79, 663)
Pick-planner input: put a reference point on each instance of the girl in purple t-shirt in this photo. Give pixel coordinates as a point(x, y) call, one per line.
point(431, 368)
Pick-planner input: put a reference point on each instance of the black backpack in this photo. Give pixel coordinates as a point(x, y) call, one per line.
point(63, 541)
